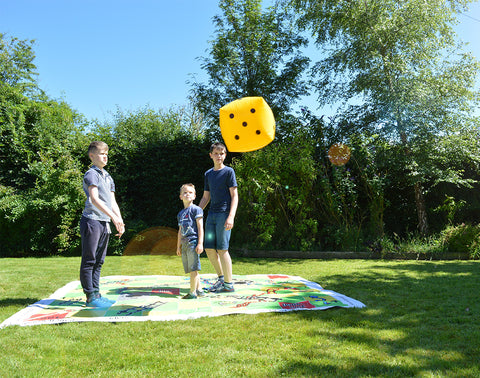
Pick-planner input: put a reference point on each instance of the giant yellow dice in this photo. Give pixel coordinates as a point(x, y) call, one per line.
point(247, 124)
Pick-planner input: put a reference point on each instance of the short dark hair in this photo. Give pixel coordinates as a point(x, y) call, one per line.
point(97, 146)
point(217, 145)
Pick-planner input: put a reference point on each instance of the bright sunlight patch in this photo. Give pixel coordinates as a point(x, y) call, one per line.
point(140, 298)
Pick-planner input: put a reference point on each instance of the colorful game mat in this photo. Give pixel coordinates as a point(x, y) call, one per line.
point(141, 298)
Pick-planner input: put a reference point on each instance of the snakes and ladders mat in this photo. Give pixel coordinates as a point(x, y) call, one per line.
point(159, 298)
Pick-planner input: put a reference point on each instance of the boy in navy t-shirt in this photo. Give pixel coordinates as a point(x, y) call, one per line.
point(190, 239)
point(221, 191)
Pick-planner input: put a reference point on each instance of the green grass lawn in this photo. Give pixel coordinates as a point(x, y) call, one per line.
point(422, 319)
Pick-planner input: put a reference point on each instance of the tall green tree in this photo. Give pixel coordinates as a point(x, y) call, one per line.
point(17, 69)
point(255, 52)
point(400, 61)
point(40, 175)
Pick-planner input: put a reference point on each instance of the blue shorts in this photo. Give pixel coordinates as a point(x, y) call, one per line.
point(216, 237)
point(190, 258)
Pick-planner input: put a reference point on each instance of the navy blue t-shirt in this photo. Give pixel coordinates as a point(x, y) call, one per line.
point(218, 183)
point(187, 221)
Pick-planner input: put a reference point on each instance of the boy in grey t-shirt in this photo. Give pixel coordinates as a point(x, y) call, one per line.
point(100, 208)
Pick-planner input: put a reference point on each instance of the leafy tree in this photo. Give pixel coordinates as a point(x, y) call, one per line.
point(17, 69)
point(399, 59)
point(255, 52)
point(40, 195)
point(277, 189)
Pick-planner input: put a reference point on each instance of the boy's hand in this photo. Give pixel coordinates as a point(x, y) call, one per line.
point(119, 225)
point(229, 223)
point(179, 252)
point(199, 248)
point(121, 230)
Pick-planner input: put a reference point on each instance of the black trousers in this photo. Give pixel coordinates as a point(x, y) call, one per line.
point(95, 236)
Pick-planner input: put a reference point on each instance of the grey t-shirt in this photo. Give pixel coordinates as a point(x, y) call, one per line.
point(104, 182)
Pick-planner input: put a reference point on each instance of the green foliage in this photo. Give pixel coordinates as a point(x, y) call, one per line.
point(351, 198)
point(462, 238)
point(40, 197)
point(402, 61)
point(450, 207)
point(17, 69)
point(39, 172)
point(414, 130)
point(44, 219)
point(296, 199)
point(255, 52)
point(276, 188)
point(410, 246)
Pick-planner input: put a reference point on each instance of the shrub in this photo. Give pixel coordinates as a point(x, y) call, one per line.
point(276, 187)
point(462, 238)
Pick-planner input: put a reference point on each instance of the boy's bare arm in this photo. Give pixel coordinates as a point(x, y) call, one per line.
point(99, 204)
point(233, 208)
point(205, 199)
point(120, 226)
point(179, 243)
point(199, 248)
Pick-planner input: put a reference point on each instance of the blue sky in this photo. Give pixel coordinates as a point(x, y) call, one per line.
point(100, 54)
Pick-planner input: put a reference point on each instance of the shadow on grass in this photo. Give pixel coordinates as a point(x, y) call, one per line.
point(421, 318)
point(264, 260)
point(6, 302)
point(137, 291)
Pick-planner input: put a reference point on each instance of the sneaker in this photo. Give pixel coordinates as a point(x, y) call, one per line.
point(111, 301)
point(200, 293)
point(99, 296)
point(190, 296)
point(98, 303)
point(217, 285)
point(226, 289)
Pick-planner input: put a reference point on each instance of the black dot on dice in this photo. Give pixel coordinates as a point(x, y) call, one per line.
point(258, 132)
point(232, 115)
point(244, 124)
point(252, 110)
point(237, 137)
